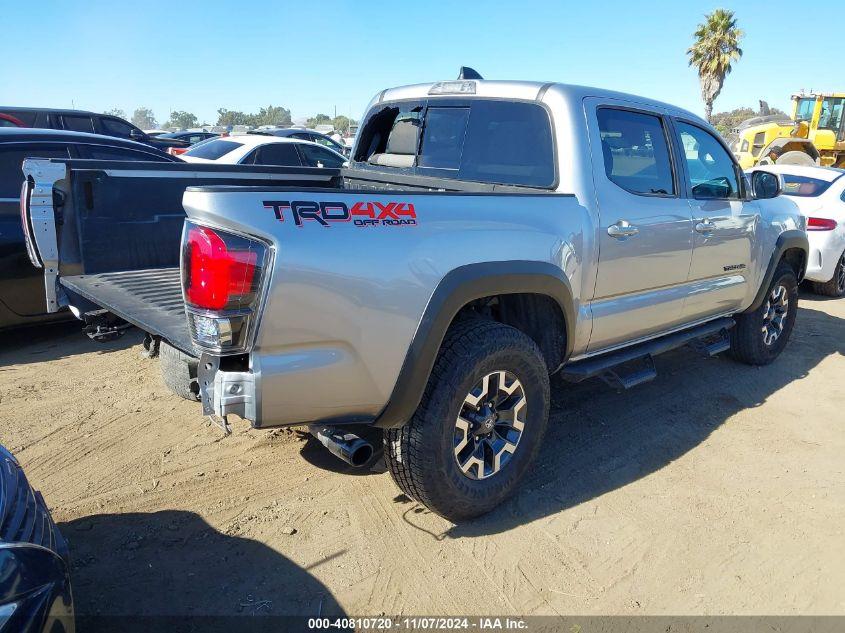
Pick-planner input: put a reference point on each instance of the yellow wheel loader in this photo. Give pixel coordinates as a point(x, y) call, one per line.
point(813, 135)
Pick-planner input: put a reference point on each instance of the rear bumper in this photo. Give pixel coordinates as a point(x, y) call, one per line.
point(826, 248)
point(291, 388)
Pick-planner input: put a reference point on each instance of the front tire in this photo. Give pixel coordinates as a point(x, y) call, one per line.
point(760, 336)
point(836, 286)
point(479, 425)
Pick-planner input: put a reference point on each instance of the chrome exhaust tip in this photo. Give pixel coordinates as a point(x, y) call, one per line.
point(344, 445)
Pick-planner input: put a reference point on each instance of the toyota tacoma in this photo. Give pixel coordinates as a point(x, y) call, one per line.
point(484, 236)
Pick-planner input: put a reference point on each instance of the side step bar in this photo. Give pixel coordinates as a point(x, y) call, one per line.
point(634, 365)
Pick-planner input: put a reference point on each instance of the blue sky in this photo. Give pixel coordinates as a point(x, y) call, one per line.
point(314, 56)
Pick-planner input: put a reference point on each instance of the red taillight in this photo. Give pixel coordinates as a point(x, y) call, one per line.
point(221, 277)
point(217, 276)
point(176, 151)
point(820, 224)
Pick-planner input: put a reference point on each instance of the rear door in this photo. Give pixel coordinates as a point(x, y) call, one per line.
point(21, 284)
point(724, 223)
point(645, 233)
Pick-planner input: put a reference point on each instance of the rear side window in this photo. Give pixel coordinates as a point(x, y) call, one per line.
point(11, 161)
point(804, 187)
point(78, 123)
point(212, 150)
point(281, 154)
point(635, 151)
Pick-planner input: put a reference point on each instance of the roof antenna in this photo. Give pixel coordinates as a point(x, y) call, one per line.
point(468, 73)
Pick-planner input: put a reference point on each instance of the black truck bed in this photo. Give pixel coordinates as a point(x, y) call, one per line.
point(150, 299)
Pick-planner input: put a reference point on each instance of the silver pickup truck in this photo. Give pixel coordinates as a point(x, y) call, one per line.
point(486, 235)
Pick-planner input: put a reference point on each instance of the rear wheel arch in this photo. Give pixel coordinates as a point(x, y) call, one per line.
point(523, 294)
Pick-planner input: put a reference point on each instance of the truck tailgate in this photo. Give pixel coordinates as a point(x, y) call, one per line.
point(150, 299)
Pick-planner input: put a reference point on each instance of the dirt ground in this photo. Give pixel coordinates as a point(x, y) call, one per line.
point(715, 489)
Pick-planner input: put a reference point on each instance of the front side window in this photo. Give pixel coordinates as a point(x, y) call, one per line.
point(712, 171)
point(804, 187)
point(635, 151)
point(116, 127)
point(831, 114)
point(314, 156)
point(78, 123)
point(212, 150)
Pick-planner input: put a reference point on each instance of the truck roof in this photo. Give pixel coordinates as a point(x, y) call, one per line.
point(521, 90)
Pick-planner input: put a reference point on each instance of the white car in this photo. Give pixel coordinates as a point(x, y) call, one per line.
point(819, 193)
point(258, 149)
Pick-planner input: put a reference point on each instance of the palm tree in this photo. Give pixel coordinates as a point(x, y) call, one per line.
point(716, 46)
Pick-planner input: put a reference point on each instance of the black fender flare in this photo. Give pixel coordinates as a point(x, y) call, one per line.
point(455, 290)
point(787, 240)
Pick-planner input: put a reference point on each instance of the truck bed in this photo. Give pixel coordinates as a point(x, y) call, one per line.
point(150, 299)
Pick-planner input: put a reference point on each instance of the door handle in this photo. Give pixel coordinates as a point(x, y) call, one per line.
point(705, 226)
point(622, 229)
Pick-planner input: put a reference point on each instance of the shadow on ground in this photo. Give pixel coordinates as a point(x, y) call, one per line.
point(599, 440)
point(172, 571)
point(52, 341)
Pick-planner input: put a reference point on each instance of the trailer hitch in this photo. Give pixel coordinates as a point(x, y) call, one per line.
point(103, 326)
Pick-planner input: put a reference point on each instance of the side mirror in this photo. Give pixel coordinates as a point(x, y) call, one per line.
point(766, 185)
point(137, 135)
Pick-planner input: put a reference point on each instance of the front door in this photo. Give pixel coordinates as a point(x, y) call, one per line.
point(645, 232)
point(724, 224)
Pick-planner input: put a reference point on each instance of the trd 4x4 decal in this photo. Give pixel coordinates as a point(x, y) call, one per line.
point(361, 213)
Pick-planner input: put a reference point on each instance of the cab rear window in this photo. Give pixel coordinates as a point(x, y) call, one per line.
point(212, 150)
point(480, 140)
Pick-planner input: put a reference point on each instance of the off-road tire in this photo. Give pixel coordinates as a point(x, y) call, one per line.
point(179, 372)
point(421, 455)
point(836, 286)
point(748, 344)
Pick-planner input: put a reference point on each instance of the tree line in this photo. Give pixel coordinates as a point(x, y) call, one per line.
point(271, 115)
